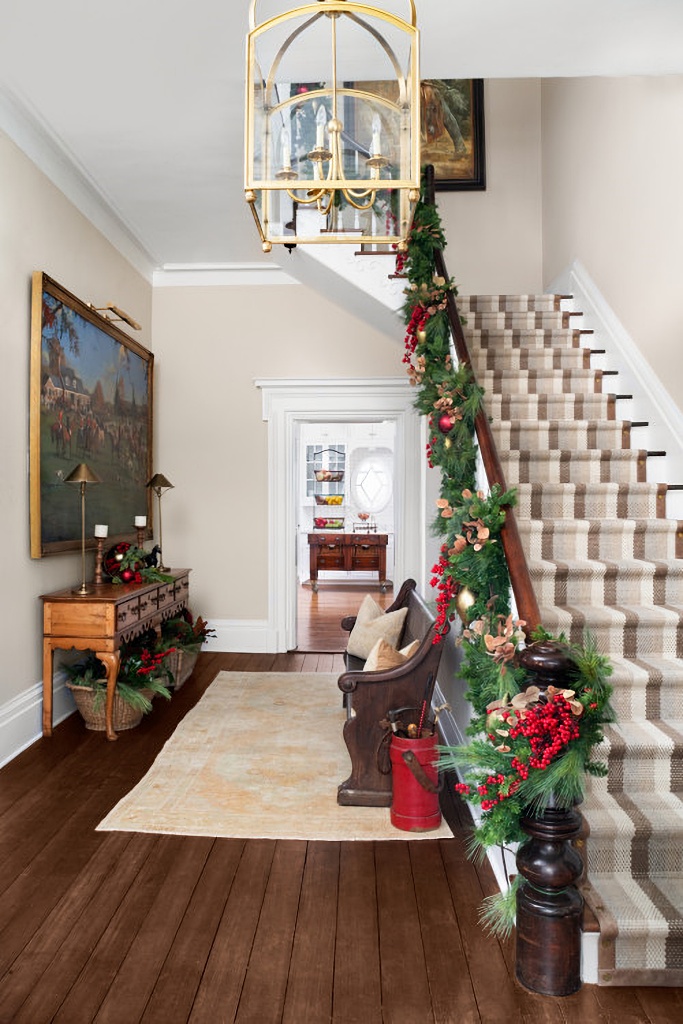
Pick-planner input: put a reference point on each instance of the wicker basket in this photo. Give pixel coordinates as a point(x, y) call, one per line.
point(124, 716)
point(181, 664)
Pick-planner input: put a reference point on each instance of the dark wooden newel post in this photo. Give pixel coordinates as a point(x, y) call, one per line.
point(549, 906)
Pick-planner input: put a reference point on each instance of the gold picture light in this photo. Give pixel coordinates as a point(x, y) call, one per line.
point(119, 314)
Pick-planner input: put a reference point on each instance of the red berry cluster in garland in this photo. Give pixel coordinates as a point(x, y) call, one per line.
point(418, 319)
point(549, 727)
point(447, 592)
point(505, 786)
point(431, 447)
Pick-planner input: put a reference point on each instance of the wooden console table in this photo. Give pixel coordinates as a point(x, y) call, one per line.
point(349, 552)
point(101, 621)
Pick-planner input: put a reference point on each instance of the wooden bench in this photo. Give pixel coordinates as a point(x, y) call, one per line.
point(368, 696)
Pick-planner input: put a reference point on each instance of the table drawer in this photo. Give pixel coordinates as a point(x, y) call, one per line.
point(330, 556)
point(317, 540)
point(181, 588)
point(164, 596)
point(128, 613)
point(365, 556)
point(78, 619)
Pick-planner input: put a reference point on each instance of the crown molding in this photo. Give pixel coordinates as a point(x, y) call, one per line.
point(198, 275)
point(53, 158)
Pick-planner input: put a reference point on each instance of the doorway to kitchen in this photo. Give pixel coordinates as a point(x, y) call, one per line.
point(345, 525)
point(289, 407)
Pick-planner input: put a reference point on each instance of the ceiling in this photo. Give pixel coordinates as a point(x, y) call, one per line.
point(136, 108)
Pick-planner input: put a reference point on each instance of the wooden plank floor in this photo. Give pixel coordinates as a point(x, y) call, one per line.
point(319, 614)
point(125, 928)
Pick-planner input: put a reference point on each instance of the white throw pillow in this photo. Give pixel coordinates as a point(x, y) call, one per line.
point(372, 624)
point(411, 649)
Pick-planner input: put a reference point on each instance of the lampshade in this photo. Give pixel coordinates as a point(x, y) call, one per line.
point(82, 474)
point(332, 122)
point(159, 483)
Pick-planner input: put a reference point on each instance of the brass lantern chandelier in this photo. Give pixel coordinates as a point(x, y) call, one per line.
point(332, 122)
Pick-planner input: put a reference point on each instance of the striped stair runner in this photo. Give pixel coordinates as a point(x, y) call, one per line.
point(603, 558)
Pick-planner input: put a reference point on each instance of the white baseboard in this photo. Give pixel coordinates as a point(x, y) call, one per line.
point(248, 636)
point(21, 719)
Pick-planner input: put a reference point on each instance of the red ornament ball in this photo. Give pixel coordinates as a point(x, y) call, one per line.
point(112, 563)
point(445, 423)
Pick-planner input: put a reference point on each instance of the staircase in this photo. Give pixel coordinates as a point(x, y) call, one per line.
point(602, 558)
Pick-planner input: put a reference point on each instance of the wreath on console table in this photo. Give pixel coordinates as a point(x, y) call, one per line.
point(125, 563)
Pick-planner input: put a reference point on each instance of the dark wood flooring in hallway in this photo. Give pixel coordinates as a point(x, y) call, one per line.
point(121, 928)
point(319, 614)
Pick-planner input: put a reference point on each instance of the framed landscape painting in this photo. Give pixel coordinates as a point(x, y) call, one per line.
point(452, 123)
point(451, 128)
point(91, 401)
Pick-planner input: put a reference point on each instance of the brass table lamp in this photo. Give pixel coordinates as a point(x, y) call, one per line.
point(82, 475)
point(160, 485)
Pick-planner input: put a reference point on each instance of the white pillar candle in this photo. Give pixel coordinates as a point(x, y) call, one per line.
point(286, 150)
point(141, 520)
point(101, 529)
point(375, 145)
point(320, 126)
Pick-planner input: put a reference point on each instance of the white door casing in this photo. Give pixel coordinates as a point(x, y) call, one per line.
point(287, 403)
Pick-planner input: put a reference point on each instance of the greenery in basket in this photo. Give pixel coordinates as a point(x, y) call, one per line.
point(143, 668)
point(186, 632)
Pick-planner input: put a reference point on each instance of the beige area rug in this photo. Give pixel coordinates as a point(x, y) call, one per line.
point(259, 756)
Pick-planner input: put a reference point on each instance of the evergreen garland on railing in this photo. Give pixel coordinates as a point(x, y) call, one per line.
point(526, 746)
point(471, 555)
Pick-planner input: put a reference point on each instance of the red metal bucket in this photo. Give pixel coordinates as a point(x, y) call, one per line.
point(415, 784)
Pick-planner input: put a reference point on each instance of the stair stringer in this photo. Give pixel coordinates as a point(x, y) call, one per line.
point(358, 284)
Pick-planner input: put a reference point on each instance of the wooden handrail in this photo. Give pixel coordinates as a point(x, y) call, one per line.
point(520, 579)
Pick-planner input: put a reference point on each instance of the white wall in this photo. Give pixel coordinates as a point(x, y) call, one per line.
point(494, 236)
point(40, 230)
point(211, 343)
point(612, 198)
